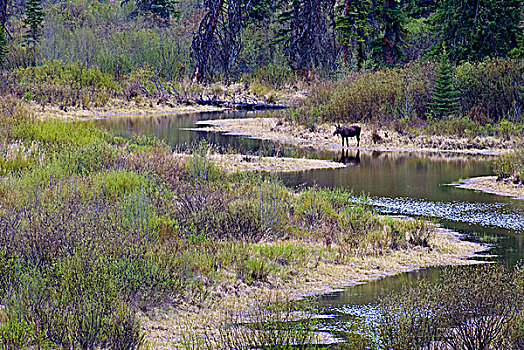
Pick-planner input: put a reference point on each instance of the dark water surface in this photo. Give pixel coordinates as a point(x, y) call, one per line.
point(412, 184)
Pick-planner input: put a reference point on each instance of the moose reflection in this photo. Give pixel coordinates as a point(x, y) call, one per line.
point(347, 131)
point(348, 159)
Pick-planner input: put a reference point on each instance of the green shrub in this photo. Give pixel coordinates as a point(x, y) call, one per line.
point(120, 182)
point(511, 165)
point(67, 73)
point(57, 133)
point(475, 307)
point(490, 90)
point(90, 157)
point(199, 168)
point(252, 269)
point(382, 95)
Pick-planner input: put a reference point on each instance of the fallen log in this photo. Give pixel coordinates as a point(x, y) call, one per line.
point(255, 105)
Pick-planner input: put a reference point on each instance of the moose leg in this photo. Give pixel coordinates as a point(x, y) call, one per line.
point(358, 141)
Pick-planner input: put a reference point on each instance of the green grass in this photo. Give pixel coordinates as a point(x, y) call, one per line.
point(97, 229)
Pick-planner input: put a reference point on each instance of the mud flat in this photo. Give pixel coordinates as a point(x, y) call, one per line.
point(490, 184)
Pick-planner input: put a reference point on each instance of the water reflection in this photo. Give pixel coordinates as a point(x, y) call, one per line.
point(179, 132)
point(397, 183)
point(348, 158)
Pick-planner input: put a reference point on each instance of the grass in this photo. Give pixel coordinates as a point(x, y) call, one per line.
point(97, 231)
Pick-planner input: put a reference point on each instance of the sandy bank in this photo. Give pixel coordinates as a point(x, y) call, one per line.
point(240, 162)
point(166, 329)
point(321, 137)
point(489, 184)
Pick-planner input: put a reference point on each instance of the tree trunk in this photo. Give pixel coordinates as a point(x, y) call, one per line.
point(206, 40)
point(345, 47)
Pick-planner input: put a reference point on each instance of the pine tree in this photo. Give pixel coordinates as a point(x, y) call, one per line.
point(445, 97)
point(478, 28)
point(3, 46)
point(353, 28)
point(33, 21)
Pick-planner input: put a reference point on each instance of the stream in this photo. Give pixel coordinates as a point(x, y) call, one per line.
point(412, 184)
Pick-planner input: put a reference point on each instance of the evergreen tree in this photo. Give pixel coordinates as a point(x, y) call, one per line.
point(391, 14)
point(3, 45)
point(445, 99)
point(33, 21)
point(476, 29)
point(353, 28)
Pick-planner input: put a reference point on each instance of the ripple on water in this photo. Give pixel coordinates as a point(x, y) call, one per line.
point(500, 215)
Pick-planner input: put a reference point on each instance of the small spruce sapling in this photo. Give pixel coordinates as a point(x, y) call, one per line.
point(444, 95)
point(33, 20)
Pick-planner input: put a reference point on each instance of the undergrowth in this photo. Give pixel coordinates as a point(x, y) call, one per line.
point(96, 230)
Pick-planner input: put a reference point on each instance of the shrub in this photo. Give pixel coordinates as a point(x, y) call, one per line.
point(491, 89)
point(65, 84)
point(119, 182)
point(469, 307)
point(199, 167)
point(511, 165)
point(57, 133)
point(488, 91)
point(382, 95)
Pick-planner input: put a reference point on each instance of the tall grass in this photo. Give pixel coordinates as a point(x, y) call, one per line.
point(96, 230)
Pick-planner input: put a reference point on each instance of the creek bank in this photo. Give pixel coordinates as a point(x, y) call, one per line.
point(490, 184)
point(372, 138)
point(167, 328)
point(242, 162)
point(118, 108)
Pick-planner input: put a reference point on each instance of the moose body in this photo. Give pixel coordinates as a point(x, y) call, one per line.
point(347, 131)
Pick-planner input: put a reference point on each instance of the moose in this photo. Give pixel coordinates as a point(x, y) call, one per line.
point(347, 131)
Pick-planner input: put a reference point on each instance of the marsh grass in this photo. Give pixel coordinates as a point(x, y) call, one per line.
point(272, 323)
point(97, 230)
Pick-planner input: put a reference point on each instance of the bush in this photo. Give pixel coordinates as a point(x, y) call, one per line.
point(119, 182)
point(511, 166)
point(383, 95)
point(488, 92)
point(476, 307)
point(491, 90)
point(66, 84)
point(56, 134)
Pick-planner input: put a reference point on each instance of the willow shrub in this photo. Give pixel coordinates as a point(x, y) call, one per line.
point(491, 90)
point(476, 307)
point(379, 95)
point(511, 165)
point(488, 91)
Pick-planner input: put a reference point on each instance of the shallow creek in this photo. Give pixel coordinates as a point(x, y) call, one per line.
point(412, 184)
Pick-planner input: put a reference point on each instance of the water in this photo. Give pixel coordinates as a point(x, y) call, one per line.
point(411, 184)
